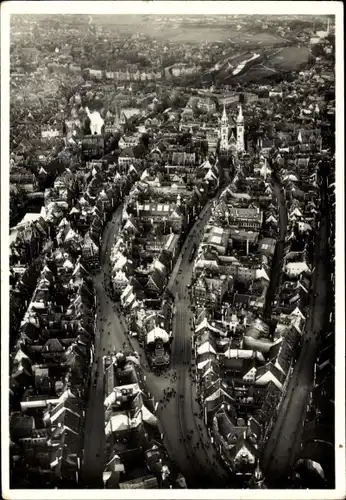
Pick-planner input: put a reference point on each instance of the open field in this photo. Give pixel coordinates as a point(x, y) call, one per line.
point(194, 35)
point(207, 33)
point(258, 39)
point(289, 58)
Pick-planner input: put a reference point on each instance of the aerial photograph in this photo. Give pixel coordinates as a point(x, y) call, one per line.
point(172, 252)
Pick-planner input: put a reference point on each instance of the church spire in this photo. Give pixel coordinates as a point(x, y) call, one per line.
point(224, 115)
point(224, 131)
point(240, 118)
point(240, 130)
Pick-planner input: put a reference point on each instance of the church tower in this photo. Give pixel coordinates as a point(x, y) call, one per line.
point(117, 118)
point(224, 131)
point(240, 130)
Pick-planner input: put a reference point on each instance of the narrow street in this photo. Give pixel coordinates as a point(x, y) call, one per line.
point(284, 442)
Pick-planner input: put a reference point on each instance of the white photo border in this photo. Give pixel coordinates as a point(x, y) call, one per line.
point(181, 8)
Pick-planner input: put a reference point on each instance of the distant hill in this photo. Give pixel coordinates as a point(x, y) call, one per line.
point(269, 64)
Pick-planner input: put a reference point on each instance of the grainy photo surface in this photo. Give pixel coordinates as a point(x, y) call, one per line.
point(172, 218)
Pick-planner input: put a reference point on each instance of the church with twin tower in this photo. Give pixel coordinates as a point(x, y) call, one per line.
point(227, 143)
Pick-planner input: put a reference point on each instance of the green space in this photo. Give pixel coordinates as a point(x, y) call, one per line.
point(289, 58)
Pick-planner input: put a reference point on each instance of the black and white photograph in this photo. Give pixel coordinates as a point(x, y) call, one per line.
point(172, 250)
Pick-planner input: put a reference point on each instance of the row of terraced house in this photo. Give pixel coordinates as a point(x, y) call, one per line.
point(52, 311)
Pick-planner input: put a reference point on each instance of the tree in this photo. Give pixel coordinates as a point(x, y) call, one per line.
point(86, 126)
point(145, 140)
point(184, 139)
point(18, 201)
point(111, 142)
point(164, 104)
point(177, 101)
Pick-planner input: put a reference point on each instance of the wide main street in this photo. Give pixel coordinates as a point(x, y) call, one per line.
point(284, 442)
point(194, 454)
point(278, 254)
